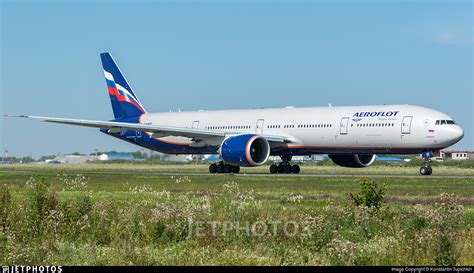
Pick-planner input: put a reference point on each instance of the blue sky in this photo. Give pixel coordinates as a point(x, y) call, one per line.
point(231, 54)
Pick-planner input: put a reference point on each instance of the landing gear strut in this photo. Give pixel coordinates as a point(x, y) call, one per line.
point(285, 166)
point(222, 167)
point(426, 169)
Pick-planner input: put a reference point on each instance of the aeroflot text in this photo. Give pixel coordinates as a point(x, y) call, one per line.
point(376, 114)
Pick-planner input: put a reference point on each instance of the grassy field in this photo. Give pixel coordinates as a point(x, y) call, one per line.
point(455, 168)
point(79, 214)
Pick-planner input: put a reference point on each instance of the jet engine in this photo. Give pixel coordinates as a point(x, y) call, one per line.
point(246, 150)
point(353, 160)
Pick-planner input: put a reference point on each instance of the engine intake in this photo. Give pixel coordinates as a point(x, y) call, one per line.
point(245, 150)
point(353, 161)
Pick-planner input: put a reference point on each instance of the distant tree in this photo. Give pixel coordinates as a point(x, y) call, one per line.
point(139, 154)
point(27, 159)
point(46, 157)
point(14, 159)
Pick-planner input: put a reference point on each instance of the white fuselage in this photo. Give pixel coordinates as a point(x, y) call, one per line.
point(378, 128)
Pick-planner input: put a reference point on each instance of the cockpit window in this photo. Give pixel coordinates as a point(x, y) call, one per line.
point(444, 122)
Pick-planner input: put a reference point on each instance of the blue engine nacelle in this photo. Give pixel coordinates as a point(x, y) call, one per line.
point(353, 160)
point(245, 150)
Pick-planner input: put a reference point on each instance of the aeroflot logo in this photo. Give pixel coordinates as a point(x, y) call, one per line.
point(376, 114)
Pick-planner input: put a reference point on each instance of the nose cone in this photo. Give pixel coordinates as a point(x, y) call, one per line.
point(453, 134)
point(449, 135)
point(458, 133)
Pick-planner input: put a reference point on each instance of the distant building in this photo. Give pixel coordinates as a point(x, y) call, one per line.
point(72, 159)
point(391, 159)
point(113, 156)
point(457, 154)
point(211, 158)
point(178, 158)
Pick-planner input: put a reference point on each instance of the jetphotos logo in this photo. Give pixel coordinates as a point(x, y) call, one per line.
point(31, 269)
point(358, 115)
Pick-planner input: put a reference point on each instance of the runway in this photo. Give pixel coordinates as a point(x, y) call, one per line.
point(434, 176)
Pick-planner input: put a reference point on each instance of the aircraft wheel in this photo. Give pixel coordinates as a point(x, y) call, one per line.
point(295, 168)
point(213, 168)
point(227, 168)
point(281, 168)
point(430, 171)
point(287, 168)
point(220, 168)
point(424, 170)
point(235, 169)
point(273, 168)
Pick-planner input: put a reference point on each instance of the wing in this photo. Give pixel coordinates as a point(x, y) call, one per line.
point(157, 130)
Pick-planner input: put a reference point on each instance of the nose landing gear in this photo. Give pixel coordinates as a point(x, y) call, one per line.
point(426, 168)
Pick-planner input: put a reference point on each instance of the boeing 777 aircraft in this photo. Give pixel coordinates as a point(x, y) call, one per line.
point(351, 136)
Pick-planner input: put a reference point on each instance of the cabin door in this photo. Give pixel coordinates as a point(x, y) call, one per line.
point(343, 126)
point(406, 125)
point(259, 126)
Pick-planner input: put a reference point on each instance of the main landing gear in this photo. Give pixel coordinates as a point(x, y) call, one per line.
point(285, 166)
point(222, 167)
point(426, 169)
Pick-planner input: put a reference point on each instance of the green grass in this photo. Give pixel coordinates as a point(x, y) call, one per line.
point(439, 169)
point(85, 216)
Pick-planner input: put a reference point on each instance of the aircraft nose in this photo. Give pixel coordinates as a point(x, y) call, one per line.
point(458, 133)
point(450, 135)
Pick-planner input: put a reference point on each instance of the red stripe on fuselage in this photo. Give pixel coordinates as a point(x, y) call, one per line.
point(162, 140)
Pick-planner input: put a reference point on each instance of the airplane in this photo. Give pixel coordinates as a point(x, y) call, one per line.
point(351, 136)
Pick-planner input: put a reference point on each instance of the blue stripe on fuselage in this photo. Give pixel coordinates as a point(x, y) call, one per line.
point(148, 142)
